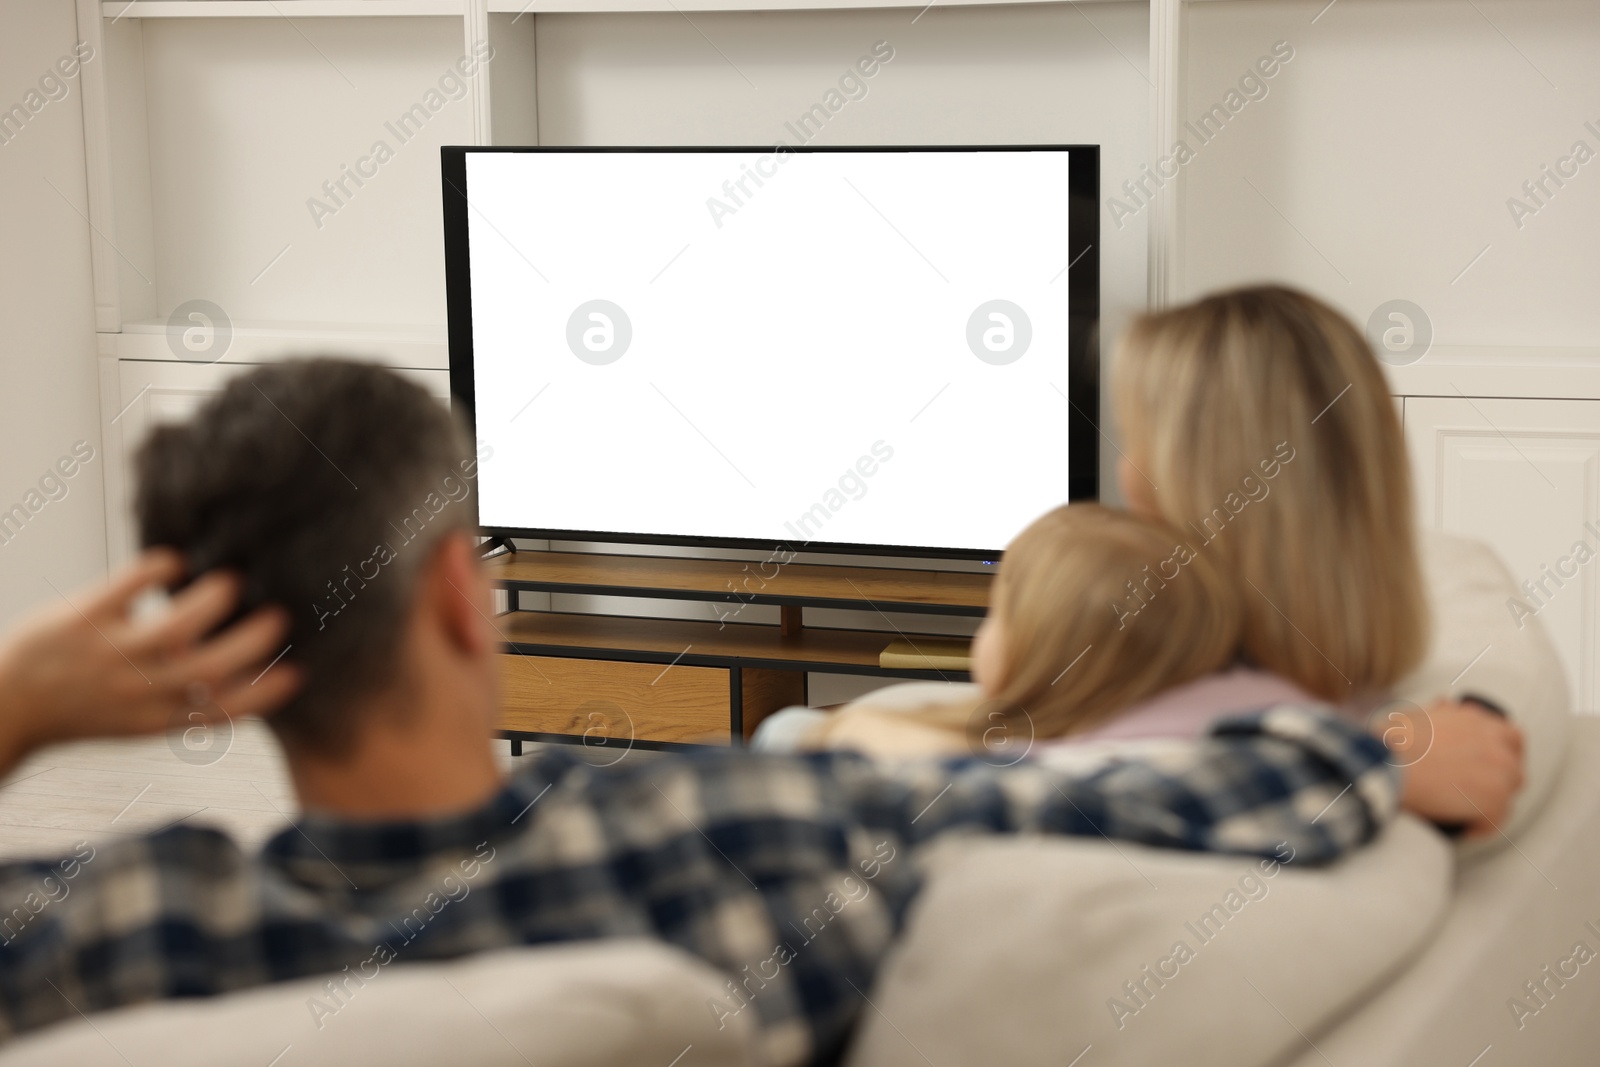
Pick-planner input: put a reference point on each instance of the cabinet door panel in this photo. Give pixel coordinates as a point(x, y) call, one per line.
point(1523, 476)
point(612, 704)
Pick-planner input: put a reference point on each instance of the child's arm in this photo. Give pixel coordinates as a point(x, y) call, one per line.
point(884, 734)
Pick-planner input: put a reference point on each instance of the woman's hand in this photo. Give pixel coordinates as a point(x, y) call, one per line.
point(1463, 763)
point(89, 669)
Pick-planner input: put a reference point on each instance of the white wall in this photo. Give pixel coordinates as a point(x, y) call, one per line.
point(230, 181)
point(1385, 153)
point(49, 397)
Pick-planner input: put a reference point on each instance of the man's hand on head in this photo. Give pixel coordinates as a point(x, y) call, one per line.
point(89, 668)
point(1463, 764)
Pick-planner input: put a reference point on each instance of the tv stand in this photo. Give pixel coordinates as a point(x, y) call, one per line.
point(613, 682)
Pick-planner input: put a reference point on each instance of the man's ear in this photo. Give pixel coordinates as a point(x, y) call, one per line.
point(460, 591)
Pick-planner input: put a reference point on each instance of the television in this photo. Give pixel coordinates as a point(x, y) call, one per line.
point(857, 349)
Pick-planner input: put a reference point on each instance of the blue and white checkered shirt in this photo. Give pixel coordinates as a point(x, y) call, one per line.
point(790, 875)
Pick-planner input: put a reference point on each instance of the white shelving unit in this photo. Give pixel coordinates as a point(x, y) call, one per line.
point(210, 140)
point(1374, 166)
point(105, 24)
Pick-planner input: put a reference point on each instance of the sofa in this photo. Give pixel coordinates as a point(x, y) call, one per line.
point(1416, 950)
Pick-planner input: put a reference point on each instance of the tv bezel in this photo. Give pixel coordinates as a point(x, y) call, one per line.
point(1083, 355)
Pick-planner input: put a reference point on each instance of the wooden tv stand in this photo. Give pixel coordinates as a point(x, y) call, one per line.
point(614, 682)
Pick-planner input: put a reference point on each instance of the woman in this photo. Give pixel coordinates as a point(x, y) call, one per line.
point(1212, 397)
point(1259, 421)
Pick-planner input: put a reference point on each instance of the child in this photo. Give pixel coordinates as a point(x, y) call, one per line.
point(1102, 625)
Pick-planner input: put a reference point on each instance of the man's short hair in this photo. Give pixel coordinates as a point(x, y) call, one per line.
point(327, 484)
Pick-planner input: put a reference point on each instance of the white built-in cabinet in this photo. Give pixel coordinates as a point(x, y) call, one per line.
point(1524, 476)
point(212, 125)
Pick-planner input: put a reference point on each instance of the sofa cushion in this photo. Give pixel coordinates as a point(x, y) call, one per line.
point(1031, 951)
point(1517, 918)
point(597, 1004)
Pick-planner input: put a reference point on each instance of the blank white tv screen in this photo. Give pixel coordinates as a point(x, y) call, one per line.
point(818, 348)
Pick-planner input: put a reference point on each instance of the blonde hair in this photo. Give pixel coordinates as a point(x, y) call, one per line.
point(1267, 392)
point(1100, 609)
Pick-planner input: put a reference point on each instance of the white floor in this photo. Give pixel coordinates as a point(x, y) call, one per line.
point(102, 790)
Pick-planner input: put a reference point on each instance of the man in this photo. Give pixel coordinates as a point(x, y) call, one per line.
point(344, 493)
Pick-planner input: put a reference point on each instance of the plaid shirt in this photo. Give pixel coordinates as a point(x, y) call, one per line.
point(790, 875)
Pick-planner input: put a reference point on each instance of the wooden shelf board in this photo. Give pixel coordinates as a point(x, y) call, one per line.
point(741, 581)
point(603, 757)
point(692, 643)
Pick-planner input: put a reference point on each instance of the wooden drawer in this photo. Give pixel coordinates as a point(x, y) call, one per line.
point(606, 700)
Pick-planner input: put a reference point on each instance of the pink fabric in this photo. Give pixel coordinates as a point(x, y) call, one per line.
point(1187, 710)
